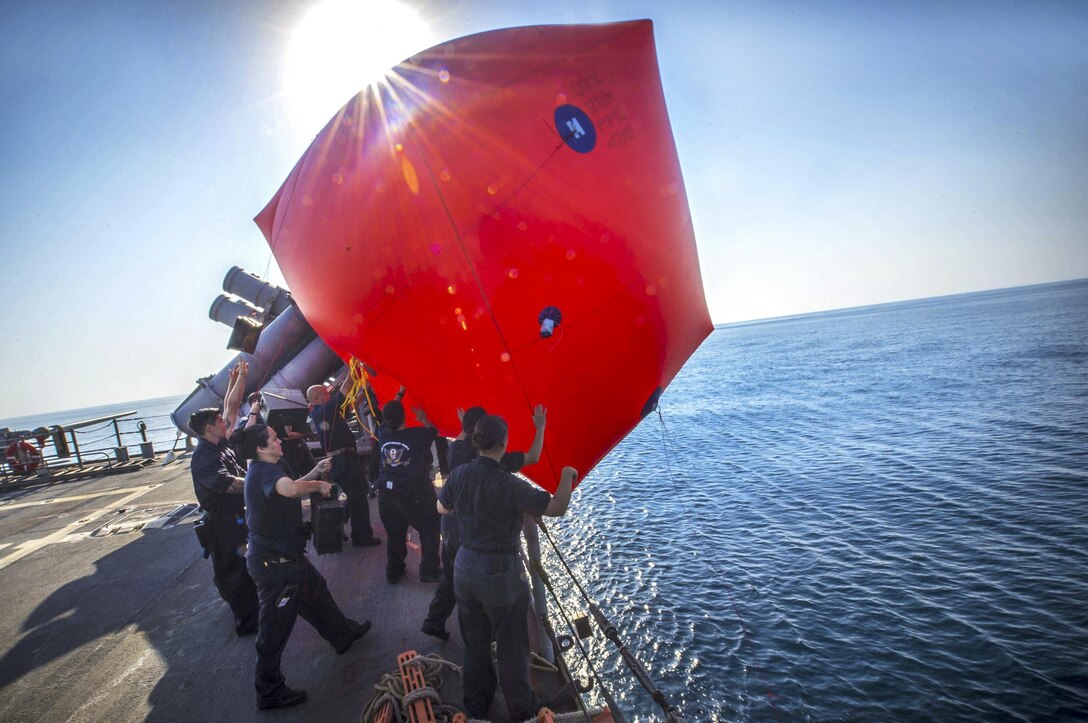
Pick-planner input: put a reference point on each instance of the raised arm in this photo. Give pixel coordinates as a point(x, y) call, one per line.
point(421, 416)
point(345, 383)
point(307, 484)
point(540, 418)
point(254, 414)
point(561, 499)
point(236, 387)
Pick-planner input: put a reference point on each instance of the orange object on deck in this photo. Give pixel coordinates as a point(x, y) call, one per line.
point(23, 457)
point(385, 713)
point(419, 711)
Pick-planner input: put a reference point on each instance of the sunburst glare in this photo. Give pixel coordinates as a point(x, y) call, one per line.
point(340, 46)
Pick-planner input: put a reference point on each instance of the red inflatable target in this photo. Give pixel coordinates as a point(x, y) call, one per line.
point(503, 222)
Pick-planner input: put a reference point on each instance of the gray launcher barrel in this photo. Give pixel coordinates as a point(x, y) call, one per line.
point(312, 365)
point(225, 310)
point(256, 291)
point(280, 342)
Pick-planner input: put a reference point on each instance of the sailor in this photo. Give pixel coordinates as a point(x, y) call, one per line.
point(405, 492)
point(490, 581)
point(462, 451)
point(288, 584)
point(296, 455)
point(348, 468)
point(218, 483)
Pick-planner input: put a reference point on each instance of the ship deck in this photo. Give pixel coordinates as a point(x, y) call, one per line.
point(105, 617)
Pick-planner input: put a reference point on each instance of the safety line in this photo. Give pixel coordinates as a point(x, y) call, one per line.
point(668, 442)
point(570, 626)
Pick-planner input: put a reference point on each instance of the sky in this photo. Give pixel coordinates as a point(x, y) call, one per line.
point(835, 154)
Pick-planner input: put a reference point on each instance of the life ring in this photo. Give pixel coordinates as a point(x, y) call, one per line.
point(23, 457)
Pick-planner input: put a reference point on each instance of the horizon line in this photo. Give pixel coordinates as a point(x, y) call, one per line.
point(893, 302)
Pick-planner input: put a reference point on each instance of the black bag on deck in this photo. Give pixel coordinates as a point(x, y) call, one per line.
point(327, 518)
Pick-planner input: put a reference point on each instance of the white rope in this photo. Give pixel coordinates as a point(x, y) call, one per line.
point(419, 694)
point(390, 689)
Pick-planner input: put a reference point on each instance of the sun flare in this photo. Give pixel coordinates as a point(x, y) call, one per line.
point(341, 46)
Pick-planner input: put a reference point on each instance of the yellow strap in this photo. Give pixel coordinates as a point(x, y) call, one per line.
point(359, 382)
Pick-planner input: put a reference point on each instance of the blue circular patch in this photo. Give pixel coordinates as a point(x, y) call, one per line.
point(575, 128)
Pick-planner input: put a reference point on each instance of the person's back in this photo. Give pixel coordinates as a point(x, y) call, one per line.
point(490, 583)
point(462, 451)
point(405, 456)
point(406, 496)
point(488, 504)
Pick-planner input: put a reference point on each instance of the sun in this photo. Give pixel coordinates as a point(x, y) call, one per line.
point(341, 46)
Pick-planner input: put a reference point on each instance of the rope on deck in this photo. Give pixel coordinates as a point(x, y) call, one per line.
point(390, 689)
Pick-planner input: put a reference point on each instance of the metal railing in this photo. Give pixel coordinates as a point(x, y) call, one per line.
point(103, 441)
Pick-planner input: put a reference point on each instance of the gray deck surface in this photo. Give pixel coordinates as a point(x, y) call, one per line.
point(128, 626)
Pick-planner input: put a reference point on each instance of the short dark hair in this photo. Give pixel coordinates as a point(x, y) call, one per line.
point(393, 414)
point(252, 438)
point(201, 418)
point(490, 432)
point(472, 415)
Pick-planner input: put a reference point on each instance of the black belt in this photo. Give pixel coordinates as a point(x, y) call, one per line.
point(278, 560)
point(508, 551)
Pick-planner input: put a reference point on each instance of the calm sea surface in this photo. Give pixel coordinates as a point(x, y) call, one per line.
point(155, 413)
point(875, 514)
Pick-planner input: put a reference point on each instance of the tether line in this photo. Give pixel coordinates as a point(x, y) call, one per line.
point(669, 447)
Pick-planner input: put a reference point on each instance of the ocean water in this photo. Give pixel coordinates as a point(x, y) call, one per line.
point(154, 413)
point(873, 514)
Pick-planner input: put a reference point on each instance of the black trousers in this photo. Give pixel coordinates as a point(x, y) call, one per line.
point(227, 546)
point(493, 603)
point(399, 511)
point(349, 471)
point(288, 590)
point(444, 600)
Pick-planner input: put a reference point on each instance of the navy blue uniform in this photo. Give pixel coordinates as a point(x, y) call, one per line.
point(349, 470)
point(460, 452)
point(213, 468)
point(490, 582)
point(406, 497)
point(288, 585)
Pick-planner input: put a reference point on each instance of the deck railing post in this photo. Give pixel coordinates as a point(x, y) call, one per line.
point(147, 449)
point(75, 446)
